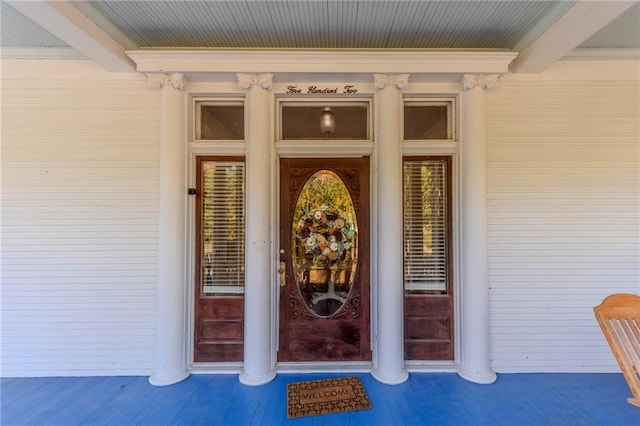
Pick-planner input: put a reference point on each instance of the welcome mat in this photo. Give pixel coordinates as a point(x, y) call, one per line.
point(315, 397)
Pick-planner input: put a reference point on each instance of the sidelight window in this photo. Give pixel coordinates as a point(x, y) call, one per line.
point(221, 220)
point(427, 224)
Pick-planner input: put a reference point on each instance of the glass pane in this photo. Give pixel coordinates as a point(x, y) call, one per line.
point(220, 122)
point(427, 121)
point(222, 227)
point(425, 226)
point(303, 122)
point(324, 243)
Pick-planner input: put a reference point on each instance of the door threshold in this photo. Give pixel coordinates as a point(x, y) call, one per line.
point(432, 366)
point(216, 368)
point(325, 367)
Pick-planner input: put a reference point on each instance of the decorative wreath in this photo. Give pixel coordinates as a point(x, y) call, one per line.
point(325, 235)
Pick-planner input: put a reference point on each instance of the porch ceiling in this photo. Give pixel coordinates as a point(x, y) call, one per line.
point(540, 32)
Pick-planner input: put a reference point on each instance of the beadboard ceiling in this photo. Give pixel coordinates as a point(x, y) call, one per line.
point(61, 28)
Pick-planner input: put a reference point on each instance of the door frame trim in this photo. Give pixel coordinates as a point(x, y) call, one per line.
point(364, 165)
point(301, 149)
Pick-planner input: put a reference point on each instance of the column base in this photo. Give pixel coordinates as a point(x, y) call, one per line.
point(390, 379)
point(168, 379)
point(485, 378)
point(245, 379)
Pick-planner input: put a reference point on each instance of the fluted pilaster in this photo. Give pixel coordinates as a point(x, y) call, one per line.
point(171, 365)
point(259, 366)
point(389, 338)
point(475, 363)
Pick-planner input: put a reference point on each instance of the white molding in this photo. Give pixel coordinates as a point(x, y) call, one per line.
point(246, 81)
point(380, 81)
point(159, 80)
point(54, 69)
point(324, 367)
point(216, 368)
point(322, 61)
point(627, 54)
point(41, 53)
point(323, 149)
point(190, 256)
point(420, 148)
point(432, 366)
point(207, 148)
point(470, 81)
point(573, 71)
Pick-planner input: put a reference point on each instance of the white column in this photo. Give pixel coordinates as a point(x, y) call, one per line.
point(389, 338)
point(171, 365)
point(258, 365)
point(475, 364)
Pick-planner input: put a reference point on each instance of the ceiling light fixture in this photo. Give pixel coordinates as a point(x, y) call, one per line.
point(327, 121)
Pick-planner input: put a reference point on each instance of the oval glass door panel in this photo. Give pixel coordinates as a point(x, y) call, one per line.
point(325, 243)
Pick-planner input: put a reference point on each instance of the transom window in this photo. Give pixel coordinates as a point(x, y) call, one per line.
point(331, 120)
point(429, 120)
point(219, 120)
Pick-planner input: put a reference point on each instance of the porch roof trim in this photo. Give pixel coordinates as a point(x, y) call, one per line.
point(322, 61)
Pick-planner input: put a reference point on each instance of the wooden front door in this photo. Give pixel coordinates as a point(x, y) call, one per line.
point(324, 254)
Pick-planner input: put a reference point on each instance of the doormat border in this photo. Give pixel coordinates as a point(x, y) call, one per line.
point(325, 396)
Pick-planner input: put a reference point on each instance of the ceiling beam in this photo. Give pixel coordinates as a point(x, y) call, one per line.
point(572, 29)
point(65, 21)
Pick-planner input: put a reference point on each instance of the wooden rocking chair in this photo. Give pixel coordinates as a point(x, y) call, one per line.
point(619, 318)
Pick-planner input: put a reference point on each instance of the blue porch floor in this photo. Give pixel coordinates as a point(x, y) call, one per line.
point(425, 399)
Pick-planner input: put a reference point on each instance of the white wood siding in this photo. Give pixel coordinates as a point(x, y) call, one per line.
point(79, 226)
point(79, 220)
point(564, 214)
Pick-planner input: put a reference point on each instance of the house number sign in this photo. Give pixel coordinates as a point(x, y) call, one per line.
point(348, 89)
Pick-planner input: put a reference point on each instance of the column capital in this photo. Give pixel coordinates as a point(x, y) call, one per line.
point(380, 81)
point(160, 80)
point(483, 81)
point(246, 81)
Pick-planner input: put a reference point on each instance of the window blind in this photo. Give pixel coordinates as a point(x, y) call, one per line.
point(425, 225)
point(222, 227)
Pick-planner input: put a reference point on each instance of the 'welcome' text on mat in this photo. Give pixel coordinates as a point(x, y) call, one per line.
point(315, 397)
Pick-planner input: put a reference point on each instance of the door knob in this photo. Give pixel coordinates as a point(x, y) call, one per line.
point(282, 271)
